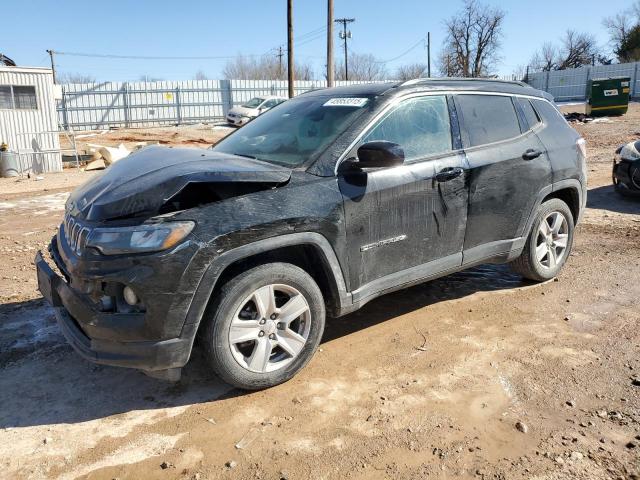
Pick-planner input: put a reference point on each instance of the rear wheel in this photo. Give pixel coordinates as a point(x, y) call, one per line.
point(549, 243)
point(265, 325)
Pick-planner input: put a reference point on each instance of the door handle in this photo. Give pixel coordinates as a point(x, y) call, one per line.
point(531, 153)
point(449, 173)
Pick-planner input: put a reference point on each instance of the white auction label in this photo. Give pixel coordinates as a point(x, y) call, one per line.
point(346, 102)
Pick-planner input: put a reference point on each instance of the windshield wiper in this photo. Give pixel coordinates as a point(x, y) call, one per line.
point(245, 156)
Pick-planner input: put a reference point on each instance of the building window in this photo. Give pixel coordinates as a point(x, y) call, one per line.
point(5, 96)
point(18, 97)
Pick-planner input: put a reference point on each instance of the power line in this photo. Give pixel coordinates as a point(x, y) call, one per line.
point(149, 57)
point(408, 50)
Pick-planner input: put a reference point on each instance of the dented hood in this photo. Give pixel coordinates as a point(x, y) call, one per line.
point(141, 183)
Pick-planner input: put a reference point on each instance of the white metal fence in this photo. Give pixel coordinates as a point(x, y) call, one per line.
point(571, 84)
point(130, 104)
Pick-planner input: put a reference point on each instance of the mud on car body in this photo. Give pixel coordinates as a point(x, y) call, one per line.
point(315, 208)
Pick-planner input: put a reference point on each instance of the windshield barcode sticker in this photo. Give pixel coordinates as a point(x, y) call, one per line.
point(345, 102)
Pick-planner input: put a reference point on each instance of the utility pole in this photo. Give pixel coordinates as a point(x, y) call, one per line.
point(429, 54)
point(290, 64)
point(280, 54)
point(329, 43)
point(53, 65)
point(344, 35)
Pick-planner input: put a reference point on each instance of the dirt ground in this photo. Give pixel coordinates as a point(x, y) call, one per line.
point(476, 375)
point(199, 135)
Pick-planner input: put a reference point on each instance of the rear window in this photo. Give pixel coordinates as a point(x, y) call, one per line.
point(549, 113)
point(487, 118)
point(529, 113)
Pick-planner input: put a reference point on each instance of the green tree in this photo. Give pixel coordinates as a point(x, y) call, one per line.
point(629, 48)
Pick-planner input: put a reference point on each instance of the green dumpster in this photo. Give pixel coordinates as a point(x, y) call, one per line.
point(608, 96)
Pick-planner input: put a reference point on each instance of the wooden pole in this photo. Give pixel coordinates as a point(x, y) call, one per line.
point(330, 74)
point(290, 64)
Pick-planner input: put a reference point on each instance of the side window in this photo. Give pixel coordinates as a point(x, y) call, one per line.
point(18, 97)
point(270, 104)
point(529, 113)
point(421, 126)
point(488, 118)
point(24, 98)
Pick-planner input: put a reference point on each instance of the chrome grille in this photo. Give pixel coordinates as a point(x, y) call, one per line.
point(75, 234)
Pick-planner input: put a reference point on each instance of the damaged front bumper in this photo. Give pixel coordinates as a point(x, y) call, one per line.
point(111, 338)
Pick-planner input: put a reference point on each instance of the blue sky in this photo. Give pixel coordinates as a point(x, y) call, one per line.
point(224, 28)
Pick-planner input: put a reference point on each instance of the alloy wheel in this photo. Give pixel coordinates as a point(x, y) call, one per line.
point(552, 240)
point(270, 328)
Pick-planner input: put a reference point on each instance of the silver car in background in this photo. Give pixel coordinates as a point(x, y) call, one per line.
point(238, 116)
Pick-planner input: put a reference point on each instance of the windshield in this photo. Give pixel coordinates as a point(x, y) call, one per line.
point(295, 131)
point(253, 103)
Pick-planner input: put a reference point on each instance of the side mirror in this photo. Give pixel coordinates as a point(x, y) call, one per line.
point(379, 154)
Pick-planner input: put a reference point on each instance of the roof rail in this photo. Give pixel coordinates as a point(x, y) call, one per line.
point(417, 81)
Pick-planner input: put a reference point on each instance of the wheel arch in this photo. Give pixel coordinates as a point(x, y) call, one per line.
point(307, 250)
point(569, 191)
point(569, 194)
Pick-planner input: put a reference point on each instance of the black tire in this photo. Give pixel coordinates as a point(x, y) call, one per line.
point(233, 294)
point(527, 264)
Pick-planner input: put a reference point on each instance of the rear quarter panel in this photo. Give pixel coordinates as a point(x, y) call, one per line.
point(559, 140)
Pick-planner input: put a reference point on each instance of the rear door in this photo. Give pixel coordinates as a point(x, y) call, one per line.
point(411, 215)
point(508, 168)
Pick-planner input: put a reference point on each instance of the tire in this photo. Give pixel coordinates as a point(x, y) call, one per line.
point(531, 263)
point(256, 336)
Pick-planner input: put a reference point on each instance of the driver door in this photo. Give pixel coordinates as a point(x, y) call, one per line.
point(408, 222)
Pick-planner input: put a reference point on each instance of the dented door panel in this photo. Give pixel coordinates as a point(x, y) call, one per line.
point(503, 188)
point(401, 217)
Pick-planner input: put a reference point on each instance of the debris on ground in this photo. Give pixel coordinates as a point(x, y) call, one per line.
point(577, 117)
point(522, 427)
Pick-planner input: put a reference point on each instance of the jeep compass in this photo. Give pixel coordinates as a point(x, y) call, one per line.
point(314, 208)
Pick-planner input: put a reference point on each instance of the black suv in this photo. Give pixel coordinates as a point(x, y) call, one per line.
point(316, 207)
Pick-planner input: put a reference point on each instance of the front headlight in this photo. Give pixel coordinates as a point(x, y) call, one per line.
point(138, 239)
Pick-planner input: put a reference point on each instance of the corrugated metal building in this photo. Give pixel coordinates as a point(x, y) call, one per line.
point(28, 119)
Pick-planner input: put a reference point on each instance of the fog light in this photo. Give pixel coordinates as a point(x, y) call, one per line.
point(130, 296)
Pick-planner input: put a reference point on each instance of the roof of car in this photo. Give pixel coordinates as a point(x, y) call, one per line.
point(435, 84)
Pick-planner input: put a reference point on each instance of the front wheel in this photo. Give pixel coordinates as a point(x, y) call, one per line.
point(549, 243)
point(265, 325)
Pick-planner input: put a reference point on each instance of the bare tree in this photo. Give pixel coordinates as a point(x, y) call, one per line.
point(69, 77)
point(578, 49)
point(410, 71)
point(545, 59)
point(267, 67)
point(200, 75)
point(472, 40)
point(362, 66)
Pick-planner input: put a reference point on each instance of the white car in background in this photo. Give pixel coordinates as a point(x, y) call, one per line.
point(238, 116)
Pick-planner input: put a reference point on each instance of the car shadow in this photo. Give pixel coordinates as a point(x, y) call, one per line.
point(43, 382)
point(606, 198)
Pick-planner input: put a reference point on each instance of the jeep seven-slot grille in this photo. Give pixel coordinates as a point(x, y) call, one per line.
point(75, 234)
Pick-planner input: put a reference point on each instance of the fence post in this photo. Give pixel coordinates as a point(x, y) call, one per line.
point(65, 120)
point(125, 97)
point(634, 87)
point(178, 106)
point(226, 95)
